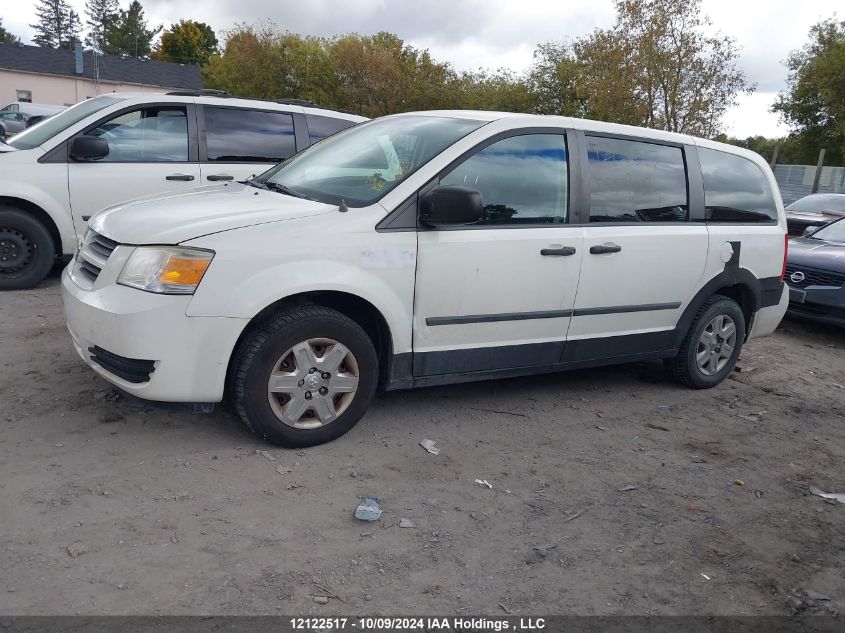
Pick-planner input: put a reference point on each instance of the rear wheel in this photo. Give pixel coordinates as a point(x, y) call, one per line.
point(712, 345)
point(27, 252)
point(304, 376)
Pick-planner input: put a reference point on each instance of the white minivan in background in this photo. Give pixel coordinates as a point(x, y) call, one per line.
point(430, 248)
point(57, 174)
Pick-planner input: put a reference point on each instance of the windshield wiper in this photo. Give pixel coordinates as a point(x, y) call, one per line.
point(254, 182)
point(279, 188)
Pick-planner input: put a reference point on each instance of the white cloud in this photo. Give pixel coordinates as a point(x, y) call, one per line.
point(504, 33)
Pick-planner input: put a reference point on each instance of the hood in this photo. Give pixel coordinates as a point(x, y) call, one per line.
point(5, 147)
point(171, 219)
point(805, 251)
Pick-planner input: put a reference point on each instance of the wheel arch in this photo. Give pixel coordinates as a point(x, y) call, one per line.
point(738, 284)
point(43, 216)
point(360, 310)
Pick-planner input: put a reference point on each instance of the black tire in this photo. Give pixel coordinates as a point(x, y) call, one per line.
point(27, 251)
point(263, 347)
point(684, 367)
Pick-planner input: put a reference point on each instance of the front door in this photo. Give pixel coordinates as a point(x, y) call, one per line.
point(642, 256)
point(499, 294)
point(148, 154)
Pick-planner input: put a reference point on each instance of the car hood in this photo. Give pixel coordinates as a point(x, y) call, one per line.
point(5, 147)
point(171, 219)
point(805, 251)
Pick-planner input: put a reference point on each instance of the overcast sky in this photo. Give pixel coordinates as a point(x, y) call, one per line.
point(503, 33)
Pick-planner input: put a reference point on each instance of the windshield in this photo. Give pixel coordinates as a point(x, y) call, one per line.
point(42, 132)
point(834, 232)
point(363, 163)
point(818, 204)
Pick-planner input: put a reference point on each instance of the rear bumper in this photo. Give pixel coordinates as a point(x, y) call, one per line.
point(767, 319)
point(146, 345)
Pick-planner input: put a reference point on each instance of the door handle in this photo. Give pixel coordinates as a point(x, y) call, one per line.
point(598, 249)
point(558, 252)
point(179, 177)
point(216, 177)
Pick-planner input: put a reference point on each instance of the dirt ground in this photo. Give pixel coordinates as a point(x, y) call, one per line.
point(614, 492)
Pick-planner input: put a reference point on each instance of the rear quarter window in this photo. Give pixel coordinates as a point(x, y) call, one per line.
point(319, 127)
point(735, 189)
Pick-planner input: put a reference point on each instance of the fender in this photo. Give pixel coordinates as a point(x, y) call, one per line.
point(763, 292)
point(257, 293)
point(56, 209)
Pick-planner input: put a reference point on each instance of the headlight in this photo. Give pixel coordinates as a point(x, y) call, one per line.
point(171, 270)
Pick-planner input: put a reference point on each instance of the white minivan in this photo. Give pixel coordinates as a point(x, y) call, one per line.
point(430, 248)
point(57, 174)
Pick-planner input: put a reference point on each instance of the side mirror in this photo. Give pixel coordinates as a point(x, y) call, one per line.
point(809, 230)
point(88, 148)
point(451, 205)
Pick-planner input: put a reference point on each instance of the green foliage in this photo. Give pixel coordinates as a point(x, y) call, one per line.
point(101, 14)
point(789, 151)
point(57, 26)
point(656, 67)
point(372, 75)
point(129, 34)
point(814, 102)
point(6, 37)
point(187, 42)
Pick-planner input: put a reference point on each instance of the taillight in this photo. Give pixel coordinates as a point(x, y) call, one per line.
point(785, 251)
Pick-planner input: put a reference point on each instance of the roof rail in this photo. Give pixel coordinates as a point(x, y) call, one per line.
point(205, 92)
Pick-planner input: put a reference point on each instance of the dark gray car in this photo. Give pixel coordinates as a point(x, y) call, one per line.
point(815, 272)
point(816, 209)
point(11, 123)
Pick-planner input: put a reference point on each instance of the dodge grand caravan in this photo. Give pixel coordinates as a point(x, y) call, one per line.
point(117, 147)
point(430, 248)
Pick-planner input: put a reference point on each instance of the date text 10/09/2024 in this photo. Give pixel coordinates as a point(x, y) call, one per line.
point(477, 625)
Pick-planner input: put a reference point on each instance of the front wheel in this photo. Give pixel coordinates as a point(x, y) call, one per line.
point(304, 376)
point(27, 252)
point(712, 345)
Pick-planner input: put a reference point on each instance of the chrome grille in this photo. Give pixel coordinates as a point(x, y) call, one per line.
point(814, 277)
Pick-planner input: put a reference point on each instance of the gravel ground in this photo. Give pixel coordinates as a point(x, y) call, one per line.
point(613, 492)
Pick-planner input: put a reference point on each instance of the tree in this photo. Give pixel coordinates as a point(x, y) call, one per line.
point(6, 37)
point(58, 25)
point(102, 15)
point(129, 34)
point(814, 102)
point(188, 42)
point(656, 67)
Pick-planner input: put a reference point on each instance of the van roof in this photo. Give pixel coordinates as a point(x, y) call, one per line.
point(588, 125)
point(281, 104)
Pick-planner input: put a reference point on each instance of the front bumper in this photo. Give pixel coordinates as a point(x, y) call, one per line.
point(130, 331)
point(819, 303)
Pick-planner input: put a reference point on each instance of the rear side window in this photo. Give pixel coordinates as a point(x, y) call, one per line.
point(634, 181)
point(248, 136)
point(522, 179)
point(319, 127)
point(735, 189)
